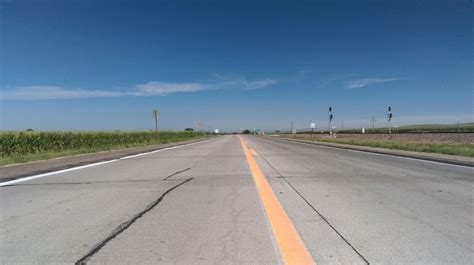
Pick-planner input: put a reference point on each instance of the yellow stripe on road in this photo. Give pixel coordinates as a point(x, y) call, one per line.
point(289, 241)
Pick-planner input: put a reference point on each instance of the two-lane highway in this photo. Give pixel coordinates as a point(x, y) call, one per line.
point(203, 204)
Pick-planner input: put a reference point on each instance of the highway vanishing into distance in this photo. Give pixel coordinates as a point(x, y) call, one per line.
point(243, 199)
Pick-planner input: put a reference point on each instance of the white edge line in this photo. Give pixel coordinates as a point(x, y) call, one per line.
point(15, 181)
point(373, 153)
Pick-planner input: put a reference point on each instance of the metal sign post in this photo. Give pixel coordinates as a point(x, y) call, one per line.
point(313, 126)
point(156, 114)
point(373, 120)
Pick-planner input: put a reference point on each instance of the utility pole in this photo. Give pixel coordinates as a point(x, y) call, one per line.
point(342, 125)
point(373, 120)
point(459, 128)
point(156, 114)
point(291, 127)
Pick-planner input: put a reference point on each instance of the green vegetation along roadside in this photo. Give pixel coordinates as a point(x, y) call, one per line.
point(421, 128)
point(448, 148)
point(21, 147)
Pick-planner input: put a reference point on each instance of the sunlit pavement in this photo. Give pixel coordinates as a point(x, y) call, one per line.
point(200, 204)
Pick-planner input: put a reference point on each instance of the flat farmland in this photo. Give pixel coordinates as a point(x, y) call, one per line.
point(461, 144)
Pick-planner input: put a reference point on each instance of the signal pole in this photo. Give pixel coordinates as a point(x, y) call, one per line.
point(389, 116)
point(330, 116)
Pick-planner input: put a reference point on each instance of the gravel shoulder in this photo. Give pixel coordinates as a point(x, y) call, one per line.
point(15, 171)
point(451, 159)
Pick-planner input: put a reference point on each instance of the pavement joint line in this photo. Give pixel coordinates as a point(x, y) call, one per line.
point(176, 173)
point(78, 183)
point(125, 225)
point(89, 182)
point(315, 210)
point(427, 160)
point(11, 182)
point(290, 244)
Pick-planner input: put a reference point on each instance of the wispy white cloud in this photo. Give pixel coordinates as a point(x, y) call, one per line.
point(55, 92)
point(259, 83)
point(358, 83)
point(152, 88)
point(162, 89)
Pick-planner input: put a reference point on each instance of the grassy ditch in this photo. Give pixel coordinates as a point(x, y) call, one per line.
point(21, 147)
point(448, 148)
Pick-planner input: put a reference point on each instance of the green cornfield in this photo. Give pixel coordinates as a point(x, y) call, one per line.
point(26, 143)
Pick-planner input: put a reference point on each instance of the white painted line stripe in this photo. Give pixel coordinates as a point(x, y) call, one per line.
point(53, 173)
point(390, 155)
point(15, 181)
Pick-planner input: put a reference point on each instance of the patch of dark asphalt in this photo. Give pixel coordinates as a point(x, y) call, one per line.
point(125, 225)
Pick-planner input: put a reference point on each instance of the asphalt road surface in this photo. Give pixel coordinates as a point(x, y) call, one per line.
point(233, 200)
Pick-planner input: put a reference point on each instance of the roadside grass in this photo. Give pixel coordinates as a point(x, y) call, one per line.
point(446, 148)
point(421, 128)
point(22, 151)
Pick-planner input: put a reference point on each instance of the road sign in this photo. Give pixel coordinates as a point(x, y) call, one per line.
point(313, 125)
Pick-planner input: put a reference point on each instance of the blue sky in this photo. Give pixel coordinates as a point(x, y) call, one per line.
point(105, 65)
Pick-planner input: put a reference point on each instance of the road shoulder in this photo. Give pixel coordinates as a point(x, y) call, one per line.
point(442, 158)
point(16, 171)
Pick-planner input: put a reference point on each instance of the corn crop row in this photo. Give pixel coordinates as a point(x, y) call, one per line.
point(22, 143)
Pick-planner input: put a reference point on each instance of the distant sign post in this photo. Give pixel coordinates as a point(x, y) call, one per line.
point(313, 126)
point(156, 114)
point(199, 126)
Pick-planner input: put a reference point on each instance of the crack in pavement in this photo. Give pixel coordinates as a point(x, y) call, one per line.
point(122, 227)
point(314, 209)
point(100, 182)
point(176, 173)
point(85, 182)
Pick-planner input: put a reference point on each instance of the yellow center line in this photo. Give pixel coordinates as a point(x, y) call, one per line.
point(291, 246)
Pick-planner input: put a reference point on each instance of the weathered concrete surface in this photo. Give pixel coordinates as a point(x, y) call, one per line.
point(15, 171)
point(348, 207)
point(391, 210)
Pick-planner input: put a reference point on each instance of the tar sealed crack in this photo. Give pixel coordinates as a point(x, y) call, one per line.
point(122, 227)
point(176, 173)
